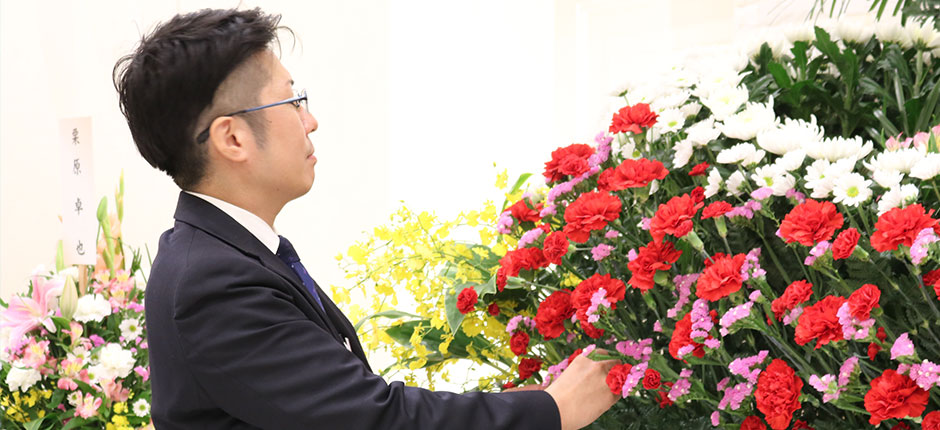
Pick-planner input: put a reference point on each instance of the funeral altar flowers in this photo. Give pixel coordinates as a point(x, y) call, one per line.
point(74, 347)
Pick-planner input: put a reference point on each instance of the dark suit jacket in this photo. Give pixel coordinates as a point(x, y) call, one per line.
point(237, 342)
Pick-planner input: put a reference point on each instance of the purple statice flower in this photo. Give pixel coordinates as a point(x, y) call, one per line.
point(96, 340)
point(529, 237)
point(645, 223)
point(570, 337)
point(640, 351)
point(515, 321)
point(743, 366)
point(716, 419)
point(681, 386)
point(903, 347)
point(603, 138)
point(926, 374)
point(796, 195)
point(792, 315)
point(845, 371)
point(853, 328)
point(610, 340)
point(504, 224)
point(598, 300)
point(816, 251)
point(684, 286)
point(601, 251)
point(827, 385)
point(755, 296)
point(734, 315)
point(762, 193)
point(612, 234)
point(658, 327)
point(701, 321)
point(723, 383)
point(685, 350)
point(712, 343)
point(740, 211)
point(632, 255)
point(634, 377)
point(921, 245)
point(548, 209)
point(603, 149)
point(735, 395)
point(753, 205)
point(588, 349)
point(751, 267)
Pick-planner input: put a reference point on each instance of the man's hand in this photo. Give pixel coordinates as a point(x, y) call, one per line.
point(581, 392)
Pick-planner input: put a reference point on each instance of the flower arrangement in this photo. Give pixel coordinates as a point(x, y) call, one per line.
point(754, 240)
point(74, 347)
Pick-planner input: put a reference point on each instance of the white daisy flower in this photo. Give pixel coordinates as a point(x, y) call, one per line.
point(141, 408)
point(670, 101)
point(763, 175)
point(754, 119)
point(714, 81)
point(691, 109)
point(74, 398)
point(899, 196)
point(725, 101)
point(682, 153)
point(901, 160)
point(130, 329)
point(791, 160)
point(887, 178)
point(670, 121)
point(927, 167)
point(733, 184)
point(851, 189)
point(793, 134)
point(743, 153)
point(714, 183)
point(837, 148)
point(703, 132)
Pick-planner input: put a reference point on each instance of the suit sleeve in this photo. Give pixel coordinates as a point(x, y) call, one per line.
point(263, 361)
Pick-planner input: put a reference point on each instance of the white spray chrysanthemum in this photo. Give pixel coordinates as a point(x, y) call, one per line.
point(724, 102)
point(742, 153)
point(669, 121)
point(898, 196)
point(793, 134)
point(927, 168)
point(837, 148)
point(714, 183)
point(851, 189)
point(755, 118)
point(734, 182)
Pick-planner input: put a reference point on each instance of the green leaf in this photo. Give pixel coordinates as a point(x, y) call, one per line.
point(34, 424)
point(522, 178)
point(825, 45)
point(393, 314)
point(924, 120)
point(102, 209)
point(61, 323)
point(454, 317)
point(780, 75)
point(885, 123)
point(902, 103)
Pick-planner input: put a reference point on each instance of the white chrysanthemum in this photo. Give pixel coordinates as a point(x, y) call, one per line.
point(642, 94)
point(900, 160)
point(791, 135)
point(92, 307)
point(74, 398)
point(690, 109)
point(682, 152)
point(800, 33)
point(743, 153)
point(714, 183)
point(856, 30)
point(755, 118)
point(725, 101)
point(891, 30)
point(733, 184)
point(130, 329)
point(791, 160)
point(887, 178)
point(899, 196)
point(703, 132)
point(923, 34)
point(141, 408)
point(625, 148)
point(679, 77)
point(670, 101)
point(669, 121)
point(113, 362)
point(851, 189)
point(837, 148)
point(774, 177)
point(927, 167)
point(714, 81)
point(821, 174)
point(22, 377)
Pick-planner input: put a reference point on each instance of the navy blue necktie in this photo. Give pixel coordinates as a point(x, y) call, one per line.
point(285, 251)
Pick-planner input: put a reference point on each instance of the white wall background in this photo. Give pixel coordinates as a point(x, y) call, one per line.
point(416, 100)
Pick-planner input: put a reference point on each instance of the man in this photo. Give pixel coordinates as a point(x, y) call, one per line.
point(240, 336)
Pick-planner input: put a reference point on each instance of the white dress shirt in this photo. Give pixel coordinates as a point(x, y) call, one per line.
point(253, 223)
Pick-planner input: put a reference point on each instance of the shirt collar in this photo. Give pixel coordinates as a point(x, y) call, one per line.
point(253, 223)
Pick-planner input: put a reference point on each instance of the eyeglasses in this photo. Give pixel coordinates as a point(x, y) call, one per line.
point(300, 99)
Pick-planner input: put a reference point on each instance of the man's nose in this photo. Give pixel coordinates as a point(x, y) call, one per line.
point(310, 123)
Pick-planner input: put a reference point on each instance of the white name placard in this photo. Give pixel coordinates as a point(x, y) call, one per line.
point(79, 219)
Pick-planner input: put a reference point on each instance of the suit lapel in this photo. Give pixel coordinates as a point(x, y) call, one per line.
point(206, 217)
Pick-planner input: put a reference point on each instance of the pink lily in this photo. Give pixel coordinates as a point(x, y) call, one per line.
point(88, 407)
point(26, 314)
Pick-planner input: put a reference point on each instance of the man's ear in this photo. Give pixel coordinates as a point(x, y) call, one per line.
point(230, 138)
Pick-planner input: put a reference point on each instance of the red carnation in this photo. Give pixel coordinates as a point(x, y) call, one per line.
point(519, 342)
point(873, 349)
point(698, 195)
point(509, 385)
point(591, 331)
point(652, 257)
point(863, 300)
point(501, 278)
point(715, 209)
point(552, 314)
point(674, 217)
point(778, 392)
point(529, 366)
point(524, 210)
point(617, 376)
point(466, 300)
point(893, 395)
point(632, 119)
point(651, 379)
point(591, 211)
point(681, 336)
point(753, 422)
point(901, 426)
point(631, 174)
point(795, 294)
point(845, 243)
point(493, 309)
point(931, 421)
point(581, 297)
point(555, 247)
point(570, 160)
point(801, 425)
point(516, 260)
point(899, 226)
point(663, 395)
point(574, 355)
point(932, 278)
point(811, 222)
point(721, 278)
point(699, 169)
point(880, 334)
point(820, 322)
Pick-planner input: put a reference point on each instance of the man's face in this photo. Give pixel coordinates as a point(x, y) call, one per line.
point(284, 162)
